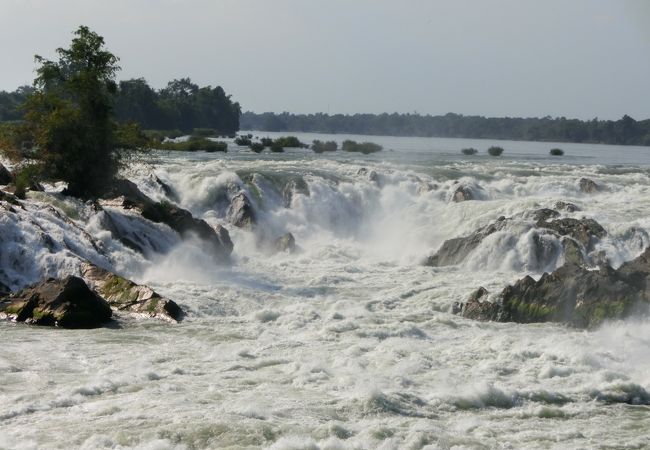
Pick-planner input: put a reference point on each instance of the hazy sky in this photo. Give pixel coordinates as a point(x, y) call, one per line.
point(574, 58)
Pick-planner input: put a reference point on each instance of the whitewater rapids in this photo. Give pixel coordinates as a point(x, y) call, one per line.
point(349, 343)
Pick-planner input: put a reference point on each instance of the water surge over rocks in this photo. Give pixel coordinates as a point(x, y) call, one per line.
point(307, 302)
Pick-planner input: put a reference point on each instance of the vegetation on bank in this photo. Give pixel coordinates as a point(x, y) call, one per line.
point(193, 144)
point(469, 151)
point(363, 147)
point(556, 152)
point(625, 131)
point(495, 151)
point(321, 147)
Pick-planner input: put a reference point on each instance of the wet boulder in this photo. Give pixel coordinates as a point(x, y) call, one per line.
point(295, 186)
point(463, 193)
point(285, 243)
point(66, 303)
point(125, 295)
point(454, 251)
point(5, 176)
point(585, 231)
point(241, 213)
point(169, 191)
point(566, 206)
point(369, 174)
point(588, 186)
point(572, 295)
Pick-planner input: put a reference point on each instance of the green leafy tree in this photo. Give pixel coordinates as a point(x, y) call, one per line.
point(70, 115)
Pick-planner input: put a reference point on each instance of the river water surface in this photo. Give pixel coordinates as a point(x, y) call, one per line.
point(348, 343)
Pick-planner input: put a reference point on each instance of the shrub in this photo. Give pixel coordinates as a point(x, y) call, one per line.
point(27, 177)
point(363, 147)
point(257, 147)
point(243, 140)
point(266, 141)
point(289, 142)
point(469, 151)
point(495, 151)
point(320, 147)
point(195, 144)
point(277, 147)
point(161, 135)
point(556, 152)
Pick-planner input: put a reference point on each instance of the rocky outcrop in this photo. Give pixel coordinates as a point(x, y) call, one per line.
point(369, 174)
point(127, 296)
point(571, 295)
point(125, 194)
point(588, 186)
point(5, 176)
point(241, 213)
point(169, 191)
point(584, 231)
point(285, 243)
point(454, 251)
point(67, 303)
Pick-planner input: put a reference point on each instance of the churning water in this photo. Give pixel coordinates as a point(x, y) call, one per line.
point(349, 343)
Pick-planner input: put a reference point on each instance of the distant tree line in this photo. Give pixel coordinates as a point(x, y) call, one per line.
point(625, 131)
point(181, 105)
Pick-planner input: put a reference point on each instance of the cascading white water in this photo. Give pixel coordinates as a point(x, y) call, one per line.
point(347, 343)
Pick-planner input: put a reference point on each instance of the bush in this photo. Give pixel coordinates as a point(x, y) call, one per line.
point(243, 140)
point(320, 147)
point(289, 142)
point(266, 141)
point(276, 147)
point(257, 147)
point(469, 151)
point(26, 178)
point(364, 147)
point(556, 152)
point(161, 135)
point(194, 144)
point(495, 151)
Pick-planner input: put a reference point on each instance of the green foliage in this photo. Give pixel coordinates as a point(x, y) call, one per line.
point(161, 135)
point(469, 151)
point(495, 151)
point(181, 104)
point(194, 144)
point(288, 142)
point(266, 141)
point(26, 177)
point(257, 147)
point(243, 141)
point(363, 147)
point(276, 147)
point(556, 152)
point(321, 147)
point(70, 115)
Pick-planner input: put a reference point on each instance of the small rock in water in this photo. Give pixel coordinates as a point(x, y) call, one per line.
point(285, 243)
point(66, 303)
point(588, 186)
point(241, 213)
point(566, 206)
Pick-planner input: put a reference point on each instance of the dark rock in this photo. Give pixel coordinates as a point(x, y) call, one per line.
point(293, 187)
point(544, 214)
point(572, 295)
point(167, 189)
point(462, 194)
point(478, 307)
point(5, 176)
point(125, 194)
point(4, 290)
point(585, 231)
point(285, 243)
point(67, 303)
point(566, 206)
point(370, 174)
point(125, 295)
point(241, 213)
point(454, 251)
point(424, 187)
point(588, 186)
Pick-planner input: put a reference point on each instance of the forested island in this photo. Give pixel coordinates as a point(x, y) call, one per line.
point(625, 131)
